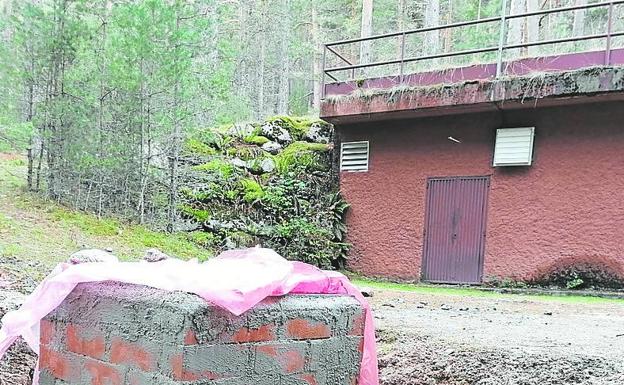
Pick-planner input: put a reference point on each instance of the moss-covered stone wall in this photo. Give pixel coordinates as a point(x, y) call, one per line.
point(268, 183)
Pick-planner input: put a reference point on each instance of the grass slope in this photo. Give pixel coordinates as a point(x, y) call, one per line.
point(34, 229)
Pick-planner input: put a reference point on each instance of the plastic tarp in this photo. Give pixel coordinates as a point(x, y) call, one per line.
point(236, 280)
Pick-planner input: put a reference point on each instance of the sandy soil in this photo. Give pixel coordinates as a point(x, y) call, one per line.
point(511, 340)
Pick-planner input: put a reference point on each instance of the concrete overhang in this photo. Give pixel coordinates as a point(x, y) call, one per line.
point(592, 84)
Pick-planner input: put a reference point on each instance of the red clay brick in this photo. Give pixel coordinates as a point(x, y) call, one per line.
point(54, 362)
point(87, 347)
point(46, 331)
point(177, 368)
point(289, 355)
point(263, 333)
point(190, 338)
point(103, 374)
point(123, 352)
point(269, 350)
point(309, 378)
point(292, 361)
point(303, 329)
point(357, 326)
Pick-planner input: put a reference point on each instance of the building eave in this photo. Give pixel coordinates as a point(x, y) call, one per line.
point(599, 83)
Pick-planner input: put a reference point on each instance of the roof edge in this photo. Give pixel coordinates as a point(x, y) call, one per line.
point(475, 95)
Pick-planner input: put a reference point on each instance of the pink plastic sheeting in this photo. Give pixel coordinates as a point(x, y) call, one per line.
point(236, 280)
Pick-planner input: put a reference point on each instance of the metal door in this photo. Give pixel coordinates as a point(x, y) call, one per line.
point(454, 237)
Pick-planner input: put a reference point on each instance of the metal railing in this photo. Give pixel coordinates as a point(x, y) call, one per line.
point(503, 20)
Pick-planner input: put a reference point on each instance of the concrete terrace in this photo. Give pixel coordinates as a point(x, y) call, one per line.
point(502, 81)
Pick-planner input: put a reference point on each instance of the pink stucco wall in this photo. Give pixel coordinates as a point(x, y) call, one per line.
point(569, 205)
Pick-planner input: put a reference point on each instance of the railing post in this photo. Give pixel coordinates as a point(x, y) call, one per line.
point(323, 72)
point(607, 60)
point(402, 69)
point(501, 40)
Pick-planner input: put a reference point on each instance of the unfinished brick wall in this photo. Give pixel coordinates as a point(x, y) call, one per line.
point(116, 334)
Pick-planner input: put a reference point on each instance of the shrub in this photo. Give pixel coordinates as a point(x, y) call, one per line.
point(581, 274)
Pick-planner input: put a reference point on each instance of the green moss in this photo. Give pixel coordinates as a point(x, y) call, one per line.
point(302, 155)
point(231, 194)
point(186, 192)
point(218, 165)
point(303, 147)
point(200, 196)
point(195, 146)
point(257, 129)
point(245, 152)
point(258, 140)
point(202, 238)
point(251, 189)
point(197, 214)
point(298, 127)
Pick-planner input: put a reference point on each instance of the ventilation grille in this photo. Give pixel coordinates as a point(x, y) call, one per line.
point(354, 156)
point(514, 146)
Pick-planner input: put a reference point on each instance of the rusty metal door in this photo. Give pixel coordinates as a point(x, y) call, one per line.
point(454, 236)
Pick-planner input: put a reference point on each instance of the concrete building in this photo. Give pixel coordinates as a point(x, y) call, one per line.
point(499, 171)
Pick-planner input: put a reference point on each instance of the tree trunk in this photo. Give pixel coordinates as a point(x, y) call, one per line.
point(29, 175)
point(532, 27)
point(40, 159)
point(29, 117)
point(432, 19)
point(514, 32)
point(261, 69)
point(366, 30)
point(578, 28)
point(317, 64)
point(400, 24)
point(448, 32)
point(283, 91)
point(175, 145)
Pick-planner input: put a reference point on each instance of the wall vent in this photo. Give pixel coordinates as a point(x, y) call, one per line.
point(514, 146)
point(354, 156)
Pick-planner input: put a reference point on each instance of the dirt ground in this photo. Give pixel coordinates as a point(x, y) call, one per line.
point(502, 340)
point(17, 366)
point(444, 339)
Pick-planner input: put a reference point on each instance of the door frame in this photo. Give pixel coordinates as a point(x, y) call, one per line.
point(484, 211)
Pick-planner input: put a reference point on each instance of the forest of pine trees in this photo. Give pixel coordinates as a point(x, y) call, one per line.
point(103, 94)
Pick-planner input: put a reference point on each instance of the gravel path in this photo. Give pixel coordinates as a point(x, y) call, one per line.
point(512, 340)
point(17, 366)
point(440, 339)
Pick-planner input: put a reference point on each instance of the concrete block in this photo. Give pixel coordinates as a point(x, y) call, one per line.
point(118, 334)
